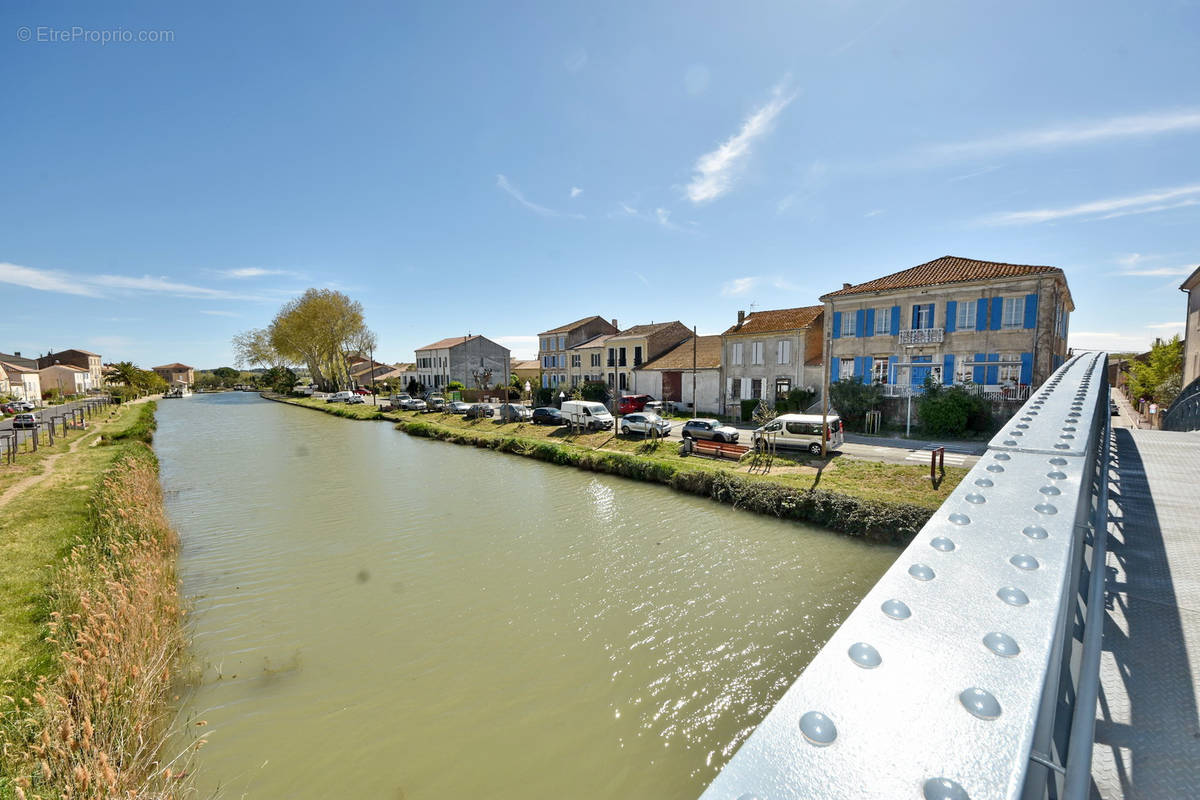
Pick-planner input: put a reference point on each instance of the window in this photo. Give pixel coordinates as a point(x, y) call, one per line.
point(576, 360)
point(735, 387)
point(612, 358)
point(923, 316)
point(621, 359)
point(595, 359)
point(785, 351)
point(883, 321)
point(1010, 367)
point(562, 343)
point(963, 372)
point(804, 428)
point(879, 370)
point(1014, 313)
point(935, 373)
point(624, 385)
point(545, 381)
point(756, 352)
point(756, 389)
point(965, 318)
point(1060, 320)
point(846, 368)
point(637, 356)
point(848, 318)
point(782, 387)
point(737, 353)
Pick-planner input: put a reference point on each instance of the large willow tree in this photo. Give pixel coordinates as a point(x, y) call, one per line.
point(321, 329)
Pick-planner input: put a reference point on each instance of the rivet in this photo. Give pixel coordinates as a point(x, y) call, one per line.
point(1069, 429)
point(1050, 490)
point(865, 655)
point(1033, 413)
point(1062, 446)
point(1067, 436)
point(1045, 508)
point(896, 609)
point(1013, 596)
point(960, 519)
point(1011, 442)
point(942, 543)
point(1034, 532)
point(1056, 475)
point(1002, 457)
point(749, 797)
point(980, 703)
point(921, 572)
point(975, 498)
point(1024, 562)
point(985, 482)
point(1026, 419)
point(818, 729)
point(944, 789)
point(994, 468)
point(1001, 644)
point(1058, 461)
point(1022, 425)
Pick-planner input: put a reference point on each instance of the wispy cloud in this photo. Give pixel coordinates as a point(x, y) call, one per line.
point(1157, 272)
point(1123, 127)
point(875, 212)
point(640, 277)
point(212, 313)
point(504, 184)
point(1165, 325)
point(739, 286)
point(660, 216)
point(44, 280)
point(715, 171)
point(972, 174)
point(254, 272)
point(575, 192)
point(1146, 203)
point(104, 285)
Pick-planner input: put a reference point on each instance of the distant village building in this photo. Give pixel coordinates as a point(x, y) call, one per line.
point(554, 347)
point(176, 374)
point(1191, 329)
point(1001, 327)
point(767, 354)
point(21, 379)
point(77, 358)
point(631, 348)
point(687, 375)
point(459, 358)
point(66, 378)
point(527, 371)
point(586, 360)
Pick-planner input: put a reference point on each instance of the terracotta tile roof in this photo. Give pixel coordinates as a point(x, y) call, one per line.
point(947, 269)
point(708, 355)
point(782, 319)
point(66, 366)
point(595, 341)
point(15, 368)
point(453, 341)
point(176, 365)
point(570, 326)
point(527, 365)
point(644, 330)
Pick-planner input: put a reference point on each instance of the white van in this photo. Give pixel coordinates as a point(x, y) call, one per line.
point(339, 397)
point(590, 415)
point(802, 430)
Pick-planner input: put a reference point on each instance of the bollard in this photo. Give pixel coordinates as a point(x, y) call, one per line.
point(937, 458)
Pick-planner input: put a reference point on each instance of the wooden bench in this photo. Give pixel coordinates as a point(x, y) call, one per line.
point(733, 452)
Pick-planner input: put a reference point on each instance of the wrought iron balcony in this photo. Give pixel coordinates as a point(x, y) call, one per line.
point(923, 336)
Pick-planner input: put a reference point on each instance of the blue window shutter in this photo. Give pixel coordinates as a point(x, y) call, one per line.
point(951, 315)
point(1031, 311)
point(932, 315)
point(948, 369)
point(858, 367)
point(837, 327)
point(981, 314)
point(892, 368)
point(916, 320)
point(1027, 368)
point(895, 320)
point(870, 327)
point(860, 318)
point(997, 312)
point(977, 369)
point(993, 373)
point(835, 368)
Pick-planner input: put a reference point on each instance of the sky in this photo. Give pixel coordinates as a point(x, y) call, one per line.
point(173, 173)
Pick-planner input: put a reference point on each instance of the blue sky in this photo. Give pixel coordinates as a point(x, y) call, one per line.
point(502, 168)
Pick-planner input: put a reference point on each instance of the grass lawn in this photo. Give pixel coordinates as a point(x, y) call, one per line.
point(37, 528)
point(866, 479)
point(31, 463)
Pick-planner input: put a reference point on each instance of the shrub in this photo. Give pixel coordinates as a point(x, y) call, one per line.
point(141, 428)
point(853, 399)
point(952, 410)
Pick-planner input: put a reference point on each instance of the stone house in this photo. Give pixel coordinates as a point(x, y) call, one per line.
point(670, 375)
point(769, 353)
point(1191, 328)
point(1001, 327)
point(67, 378)
point(458, 359)
point(77, 358)
point(554, 346)
point(177, 374)
point(631, 348)
point(20, 378)
point(585, 361)
point(527, 372)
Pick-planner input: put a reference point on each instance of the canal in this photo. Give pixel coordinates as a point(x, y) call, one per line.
point(378, 615)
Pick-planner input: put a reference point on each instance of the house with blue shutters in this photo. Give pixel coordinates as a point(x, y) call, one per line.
point(1000, 328)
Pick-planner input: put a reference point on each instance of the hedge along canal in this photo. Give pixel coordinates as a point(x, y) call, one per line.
point(376, 615)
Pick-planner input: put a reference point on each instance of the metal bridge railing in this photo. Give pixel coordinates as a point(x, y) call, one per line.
point(957, 676)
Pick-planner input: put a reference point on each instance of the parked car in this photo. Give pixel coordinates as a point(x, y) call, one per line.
point(21, 405)
point(632, 403)
point(457, 407)
point(802, 430)
point(711, 429)
point(511, 412)
point(25, 420)
point(479, 411)
point(655, 407)
point(645, 424)
point(417, 404)
point(398, 400)
point(362, 390)
point(548, 416)
point(340, 397)
point(1112, 408)
point(8, 408)
point(435, 402)
point(590, 415)
point(355, 400)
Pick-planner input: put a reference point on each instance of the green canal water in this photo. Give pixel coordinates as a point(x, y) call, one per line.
point(379, 616)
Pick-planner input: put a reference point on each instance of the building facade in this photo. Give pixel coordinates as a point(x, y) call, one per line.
point(767, 354)
point(585, 361)
point(1191, 329)
point(1001, 327)
point(688, 375)
point(177, 374)
point(527, 372)
point(20, 379)
point(632, 348)
point(77, 358)
point(66, 378)
point(554, 347)
point(460, 358)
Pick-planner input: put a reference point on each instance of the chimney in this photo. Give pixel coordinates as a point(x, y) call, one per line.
point(614, 324)
point(846, 285)
point(741, 318)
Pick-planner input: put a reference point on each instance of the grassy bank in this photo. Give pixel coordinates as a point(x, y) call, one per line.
point(885, 502)
point(89, 624)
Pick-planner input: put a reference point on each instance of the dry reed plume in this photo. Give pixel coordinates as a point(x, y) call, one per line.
point(94, 727)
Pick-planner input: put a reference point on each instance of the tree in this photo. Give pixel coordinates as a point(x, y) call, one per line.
point(1159, 377)
point(227, 376)
point(254, 348)
point(321, 329)
point(453, 386)
point(853, 399)
point(952, 410)
point(595, 391)
point(125, 372)
point(281, 379)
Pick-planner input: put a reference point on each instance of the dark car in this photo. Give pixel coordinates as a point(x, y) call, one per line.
point(456, 407)
point(548, 416)
point(511, 412)
point(25, 421)
point(479, 411)
point(710, 429)
point(1112, 409)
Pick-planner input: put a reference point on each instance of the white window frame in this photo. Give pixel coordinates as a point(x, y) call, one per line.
point(879, 370)
point(784, 351)
point(1012, 371)
point(846, 368)
point(849, 319)
point(883, 321)
point(1013, 315)
point(756, 353)
point(738, 354)
point(964, 316)
point(924, 316)
point(963, 372)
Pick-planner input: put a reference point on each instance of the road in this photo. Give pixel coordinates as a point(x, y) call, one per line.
point(44, 415)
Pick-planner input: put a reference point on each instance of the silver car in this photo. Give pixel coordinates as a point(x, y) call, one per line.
point(710, 429)
point(511, 412)
point(645, 424)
